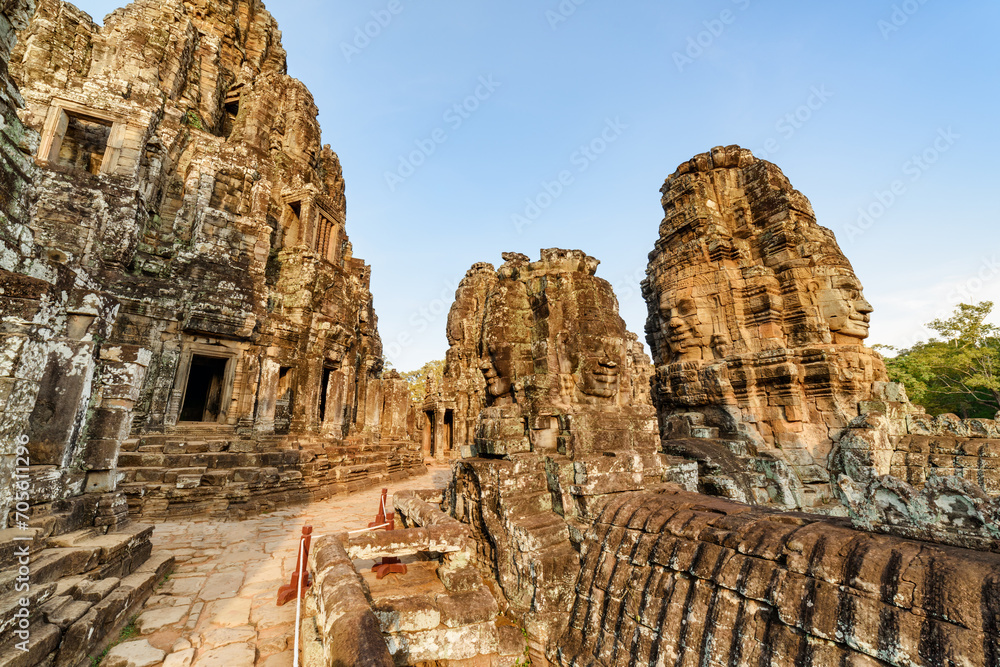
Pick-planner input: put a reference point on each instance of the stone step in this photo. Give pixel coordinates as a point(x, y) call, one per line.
point(220, 460)
point(189, 448)
point(8, 580)
point(111, 546)
point(144, 475)
point(45, 638)
point(10, 605)
point(130, 445)
point(83, 615)
point(72, 539)
point(51, 523)
point(12, 545)
point(48, 565)
point(54, 563)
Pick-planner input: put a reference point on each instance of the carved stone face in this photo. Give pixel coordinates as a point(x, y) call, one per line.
point(496, 383)
point(505, 340)
point(843, 306)
point(683, 329)
point(599, 364)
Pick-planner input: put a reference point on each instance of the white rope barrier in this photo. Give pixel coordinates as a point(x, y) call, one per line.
point(364, 530)
point(298, 602)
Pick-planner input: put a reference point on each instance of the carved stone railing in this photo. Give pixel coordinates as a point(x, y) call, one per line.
point(439, 611)
point(338, 607)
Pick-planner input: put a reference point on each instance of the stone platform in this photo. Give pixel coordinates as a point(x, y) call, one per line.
point(224, 476)
point(217, 608)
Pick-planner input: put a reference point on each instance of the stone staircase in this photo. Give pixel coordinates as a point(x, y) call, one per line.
point(222, 475)
point(69, 595)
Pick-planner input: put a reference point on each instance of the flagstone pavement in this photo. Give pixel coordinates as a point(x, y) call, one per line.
point(217, 608)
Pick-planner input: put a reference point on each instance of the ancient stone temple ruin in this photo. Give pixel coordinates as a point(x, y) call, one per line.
point(185, 329)
point(567, 420)
point(756, 324)
point(450, 411)
point(180, 180)
point(614, 535)
point(185, 333)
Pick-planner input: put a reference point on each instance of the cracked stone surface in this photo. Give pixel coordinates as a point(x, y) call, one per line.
point(134, 654)
point(217, 608)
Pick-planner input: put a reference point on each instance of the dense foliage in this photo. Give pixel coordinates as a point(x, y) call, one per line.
point(958, 373)
point(418, 379)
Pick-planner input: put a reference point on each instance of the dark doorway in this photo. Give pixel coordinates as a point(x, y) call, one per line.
point(430, 446)
point(230, 111)
point(203, 394)
point(322, 394)
point(449, 430)
point(285, 402)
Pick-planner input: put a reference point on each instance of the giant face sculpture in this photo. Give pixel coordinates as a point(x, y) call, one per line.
point(597, 362)
point(592, 338)
point(684, 329)
point(498, 376)
point(505, 345)
point(756, 316)
point(842, 304)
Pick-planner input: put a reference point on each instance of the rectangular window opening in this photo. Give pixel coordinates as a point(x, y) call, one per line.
point(203, 394)
point(84, 142)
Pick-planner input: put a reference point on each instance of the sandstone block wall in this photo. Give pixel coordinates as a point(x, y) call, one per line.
point(756, 326)
point(678, 578)
point(902, 472)
point(564, 422)
point(213, 319)
point(339, 627)
point(69, 558)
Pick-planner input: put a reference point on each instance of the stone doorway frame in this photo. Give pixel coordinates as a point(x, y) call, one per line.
point(216, 351)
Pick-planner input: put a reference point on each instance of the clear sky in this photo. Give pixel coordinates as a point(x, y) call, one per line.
point(883, 106)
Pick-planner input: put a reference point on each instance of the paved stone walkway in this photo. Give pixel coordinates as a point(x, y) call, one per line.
point(217, 608)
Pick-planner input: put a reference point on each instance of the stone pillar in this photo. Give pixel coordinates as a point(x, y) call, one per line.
point(122, 369)
point(267, 395)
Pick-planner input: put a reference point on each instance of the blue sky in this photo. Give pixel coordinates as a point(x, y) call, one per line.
point(878, 106)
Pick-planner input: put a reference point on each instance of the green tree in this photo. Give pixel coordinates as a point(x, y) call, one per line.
point(418, 379)
point(958, 373)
